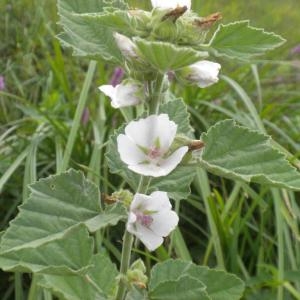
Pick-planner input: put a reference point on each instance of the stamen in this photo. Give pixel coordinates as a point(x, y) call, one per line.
point(154, 152)
point(145, 220)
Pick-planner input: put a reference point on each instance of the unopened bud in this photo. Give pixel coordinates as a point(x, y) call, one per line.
point(203, 73)
point(126, 46)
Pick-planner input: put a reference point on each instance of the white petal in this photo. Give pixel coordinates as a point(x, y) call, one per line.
point(149, 170)
point(171, 3)
point(145, 131)
point(126, 95)
point(166, 131)
point(148, 237)
point(126, 46)
point(204, 73)
point(131, 218)
point(129, 152)
point(159, 202)
point(140, 202)
point(170, 163)
point(164, 222)
point(108, 90)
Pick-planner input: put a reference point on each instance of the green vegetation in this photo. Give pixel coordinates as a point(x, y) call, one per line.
point(248, 229)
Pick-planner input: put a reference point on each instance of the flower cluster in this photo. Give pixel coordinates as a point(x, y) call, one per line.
point(147, 144)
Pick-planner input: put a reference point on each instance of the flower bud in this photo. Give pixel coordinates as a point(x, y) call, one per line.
point(126, 46)
point(136, 274)
point(203, 73)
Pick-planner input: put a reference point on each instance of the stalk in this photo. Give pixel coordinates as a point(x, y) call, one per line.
point(77, 117)
point(155, 91)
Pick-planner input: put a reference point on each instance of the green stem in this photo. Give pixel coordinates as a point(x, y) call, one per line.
point(77, 118)
point(155, 91)
point(125, 262)
point(280, 242)
point(205, 191)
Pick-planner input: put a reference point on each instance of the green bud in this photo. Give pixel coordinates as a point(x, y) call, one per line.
point(123, 196)
point(136, 274)
point(164, 28)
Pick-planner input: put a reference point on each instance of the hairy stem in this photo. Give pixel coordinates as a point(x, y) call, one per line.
point(155, 91)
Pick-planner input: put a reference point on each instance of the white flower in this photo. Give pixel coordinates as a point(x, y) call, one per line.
point(126, 46)
point(123, 94)
point(146, 143)
point(203, 73)
point(151, 218)
point(171, 3)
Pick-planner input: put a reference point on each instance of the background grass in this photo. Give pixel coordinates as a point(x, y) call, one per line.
point(250, 230)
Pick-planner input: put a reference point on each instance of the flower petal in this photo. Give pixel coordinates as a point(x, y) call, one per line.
point(145, 131)
point(108, 90)
point(159, 202)
point(126, 95)
point(149, 170)
point(164, 222)
point(126, 45)
point(131, 218)
point(148, 237)
point(170, 163)
point(204, 73)
point(140, 202)
point(129, 152)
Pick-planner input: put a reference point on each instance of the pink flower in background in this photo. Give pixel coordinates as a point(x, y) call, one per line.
point(117, 76)
point(145, 146)
point(2, 83)
point(295, 50)
point(85, 116)
point(151, 218)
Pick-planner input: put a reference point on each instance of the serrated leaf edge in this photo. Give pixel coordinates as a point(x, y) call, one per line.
point(249, 178)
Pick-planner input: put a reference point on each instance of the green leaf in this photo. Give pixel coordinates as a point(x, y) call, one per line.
point(98, 283)
point(84, 37)
point(166, 56)
point(218, 284)
point(177, 111)
point(121, 21)
point(185, 287)
point(57, 204)
point(183, 175)
point(54, 257)
point(237, 152)
point(239, 40)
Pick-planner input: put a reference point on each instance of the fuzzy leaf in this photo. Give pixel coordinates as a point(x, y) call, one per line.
point(84, 37)
point(183, 288)
point(237, 152)
point(166, 56)
point(77, 287)
point(177, 110)
point(121, 21)
point(54, 257)
point(239, 40)
point(57, 204)
point(218, 285)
